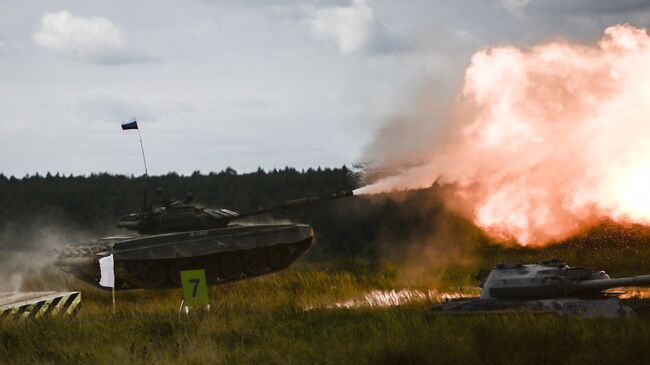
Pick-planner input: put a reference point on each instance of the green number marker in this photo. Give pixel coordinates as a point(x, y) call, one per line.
point(195, 288)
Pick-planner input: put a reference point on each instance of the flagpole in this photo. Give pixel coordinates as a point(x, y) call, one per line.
point(113, 291)
point(133, 124)
point(146, 173)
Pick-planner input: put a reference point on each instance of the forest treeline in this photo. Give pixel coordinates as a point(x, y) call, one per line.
point(407, 226)
point(358, 226)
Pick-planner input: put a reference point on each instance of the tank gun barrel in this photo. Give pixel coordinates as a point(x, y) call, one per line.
point(296, 203)
point(181, 216)
point(602, 284)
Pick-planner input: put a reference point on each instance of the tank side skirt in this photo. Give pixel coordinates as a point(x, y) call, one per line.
point(134, 280)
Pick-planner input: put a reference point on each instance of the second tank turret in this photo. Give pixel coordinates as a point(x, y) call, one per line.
point(547, 286)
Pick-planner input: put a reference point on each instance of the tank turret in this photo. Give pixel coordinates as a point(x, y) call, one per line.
point(550, 279)
point(182, 215)
point(548, 286)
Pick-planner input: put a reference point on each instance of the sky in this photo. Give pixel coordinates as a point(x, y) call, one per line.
point(246, 84)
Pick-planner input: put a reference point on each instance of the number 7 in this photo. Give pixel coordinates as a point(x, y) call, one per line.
point(196, 285)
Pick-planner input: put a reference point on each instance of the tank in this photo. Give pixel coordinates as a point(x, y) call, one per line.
point(548, 286)
point(178, 235)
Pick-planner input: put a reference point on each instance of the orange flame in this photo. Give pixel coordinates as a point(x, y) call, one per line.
point(549, 139)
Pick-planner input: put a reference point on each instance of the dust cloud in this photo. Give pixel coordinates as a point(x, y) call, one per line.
point(28, 252)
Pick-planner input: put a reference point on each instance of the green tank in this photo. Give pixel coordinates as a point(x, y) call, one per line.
point(178, 235)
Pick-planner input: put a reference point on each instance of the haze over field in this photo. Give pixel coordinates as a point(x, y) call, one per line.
point(246, 84)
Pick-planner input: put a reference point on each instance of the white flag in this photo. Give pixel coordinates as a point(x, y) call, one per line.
point(106, 269)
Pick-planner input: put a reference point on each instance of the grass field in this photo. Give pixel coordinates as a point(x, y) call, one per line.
point(291, 318)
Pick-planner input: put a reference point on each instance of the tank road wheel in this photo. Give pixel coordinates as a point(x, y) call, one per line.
point(280, 257)
point(154, 274)
point(255, 262)
point(230, 266)
point(211, 267)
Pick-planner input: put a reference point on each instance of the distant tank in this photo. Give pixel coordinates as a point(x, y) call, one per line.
point(180, 236)
point(548, 286)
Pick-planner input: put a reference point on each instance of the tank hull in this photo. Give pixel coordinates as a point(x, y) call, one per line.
point(228, 254)
point(606, 307)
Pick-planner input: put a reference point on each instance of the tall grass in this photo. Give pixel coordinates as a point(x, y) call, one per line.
point(265, 321)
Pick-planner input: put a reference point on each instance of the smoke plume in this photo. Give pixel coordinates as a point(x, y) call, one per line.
point(540, 143)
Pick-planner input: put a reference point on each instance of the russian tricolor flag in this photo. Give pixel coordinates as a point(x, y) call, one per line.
point(130, 124)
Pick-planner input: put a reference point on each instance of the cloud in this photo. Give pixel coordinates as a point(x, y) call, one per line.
point(588, 7)
point(348, 26)
point(352, 27)
point(4, 48)
point(514, 7)
point(544, 8)
point(94, 39)
point(107, 107)
point(462, 36)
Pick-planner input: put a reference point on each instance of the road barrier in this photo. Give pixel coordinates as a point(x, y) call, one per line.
point(39, 304)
